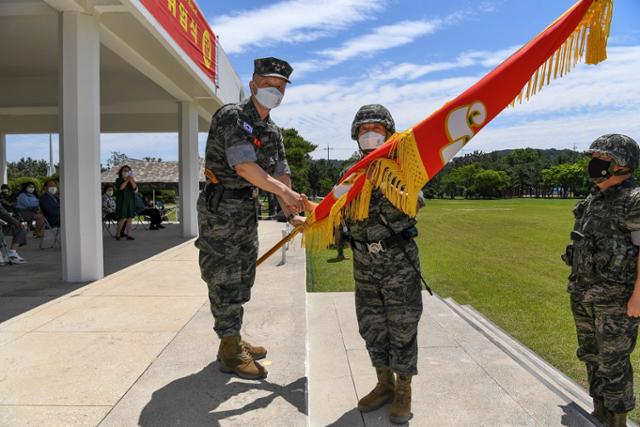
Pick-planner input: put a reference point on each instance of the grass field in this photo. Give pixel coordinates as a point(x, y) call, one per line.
point(502, 257)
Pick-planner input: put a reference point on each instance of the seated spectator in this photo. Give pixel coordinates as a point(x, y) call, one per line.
point(147, 208)
point(109, 204)
point(28, 207)
point(50, 203)
point(6, 199)
point(18, 232)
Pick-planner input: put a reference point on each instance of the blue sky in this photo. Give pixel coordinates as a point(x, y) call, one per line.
point(411, 56)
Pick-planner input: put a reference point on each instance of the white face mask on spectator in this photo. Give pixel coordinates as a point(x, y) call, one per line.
point(109, 193)
point(52, 190)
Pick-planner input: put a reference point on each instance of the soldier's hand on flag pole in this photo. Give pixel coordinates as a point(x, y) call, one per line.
point(309, 206)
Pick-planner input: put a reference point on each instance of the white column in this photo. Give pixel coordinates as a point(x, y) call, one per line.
point(79, 106)
point(3, 159)
point(189, 168)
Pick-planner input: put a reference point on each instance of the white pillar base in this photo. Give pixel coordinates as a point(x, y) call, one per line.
point(189, 168)
point(82, 257)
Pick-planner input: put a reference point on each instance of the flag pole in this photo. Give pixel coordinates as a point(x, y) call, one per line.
point(280, 244)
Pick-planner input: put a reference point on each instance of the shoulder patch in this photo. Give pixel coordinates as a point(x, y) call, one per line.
point(247, 127)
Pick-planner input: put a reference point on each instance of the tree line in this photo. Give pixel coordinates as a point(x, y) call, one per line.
point(524, 172)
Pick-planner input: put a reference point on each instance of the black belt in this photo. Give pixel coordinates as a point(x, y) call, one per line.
point(233, 193)
point(376, 246)
point(239, 193)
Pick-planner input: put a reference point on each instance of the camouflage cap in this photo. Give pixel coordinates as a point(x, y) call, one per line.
point(272, 67)
point(372, 113)
point(622, 149)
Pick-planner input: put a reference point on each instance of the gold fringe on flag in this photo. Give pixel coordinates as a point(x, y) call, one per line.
point(590, 37)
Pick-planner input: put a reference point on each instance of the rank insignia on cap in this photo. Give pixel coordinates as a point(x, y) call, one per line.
point(272, 67)
point(247, 127)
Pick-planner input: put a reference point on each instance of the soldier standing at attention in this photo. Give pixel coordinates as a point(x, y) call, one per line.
point(245, 151)
point(604, 287)
point(388, 293)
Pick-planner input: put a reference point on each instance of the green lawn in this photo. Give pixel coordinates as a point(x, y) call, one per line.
point(502, 257)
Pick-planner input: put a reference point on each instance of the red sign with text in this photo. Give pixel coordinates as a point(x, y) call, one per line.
point(185, 23)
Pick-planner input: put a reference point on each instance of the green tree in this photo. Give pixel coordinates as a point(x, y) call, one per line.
point(116, 158)
point(524, 169)
point(323, 176)
point(490, 183)
point(570, 178)
point(297, 150)
point(27, 167)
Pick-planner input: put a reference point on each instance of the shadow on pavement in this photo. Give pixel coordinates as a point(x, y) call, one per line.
point(575, 416)
point(26, 286)
point(199, 399)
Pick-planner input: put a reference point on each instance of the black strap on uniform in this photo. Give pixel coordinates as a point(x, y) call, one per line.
point(383, 221)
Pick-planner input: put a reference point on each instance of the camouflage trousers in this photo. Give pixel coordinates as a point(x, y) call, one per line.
point(228, 244)
point(389, 306)
point(606, 338)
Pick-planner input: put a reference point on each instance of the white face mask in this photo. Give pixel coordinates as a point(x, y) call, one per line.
point(269, 97)
point(109, 193)
point(52, 190)
point(370, 140)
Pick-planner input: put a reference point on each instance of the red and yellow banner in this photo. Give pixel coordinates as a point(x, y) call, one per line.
point(187, 26)
point(408, 160)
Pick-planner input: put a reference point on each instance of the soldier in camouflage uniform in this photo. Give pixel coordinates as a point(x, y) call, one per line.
point(388, 289)
point(605, 294)
point(244, 150)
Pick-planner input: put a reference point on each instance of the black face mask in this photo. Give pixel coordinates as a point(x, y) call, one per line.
point(599, 169)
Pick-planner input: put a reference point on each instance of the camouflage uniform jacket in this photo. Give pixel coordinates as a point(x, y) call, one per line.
point(239, 135)
point(605, 259)
point(372, 229)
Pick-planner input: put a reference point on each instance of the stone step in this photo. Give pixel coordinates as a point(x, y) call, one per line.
point(546, 373)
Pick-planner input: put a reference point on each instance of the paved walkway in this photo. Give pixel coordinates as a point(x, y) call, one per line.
point(27, 286)
point(137, 348)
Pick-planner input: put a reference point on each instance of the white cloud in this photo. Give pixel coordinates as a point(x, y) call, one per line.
point(290, 21)
point(589, 101)
point(382, 38)
point(409, 71)
point(390, 36)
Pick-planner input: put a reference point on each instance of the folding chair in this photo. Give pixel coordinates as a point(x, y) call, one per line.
point(140, 219)
point(56, 235)
point(107, 223)
point(164, 211)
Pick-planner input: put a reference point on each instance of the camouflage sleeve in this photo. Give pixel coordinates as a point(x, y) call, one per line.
point(282, 166)
point(238, 144)
point(632, 212)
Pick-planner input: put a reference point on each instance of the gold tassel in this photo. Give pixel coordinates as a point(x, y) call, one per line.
point(588, 42)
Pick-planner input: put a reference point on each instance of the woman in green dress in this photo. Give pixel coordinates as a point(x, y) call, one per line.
point(125, 187)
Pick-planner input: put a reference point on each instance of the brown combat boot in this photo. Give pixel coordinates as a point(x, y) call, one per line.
point(616, 419)
point(400, 409)
point(257, 352)
point(382, 392)
point(599, 410)
point(234, 358)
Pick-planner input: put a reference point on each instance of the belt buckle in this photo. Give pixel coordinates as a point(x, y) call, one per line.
point(375, 247)
point(255, 192)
